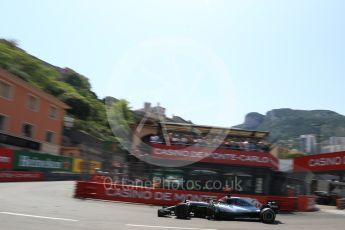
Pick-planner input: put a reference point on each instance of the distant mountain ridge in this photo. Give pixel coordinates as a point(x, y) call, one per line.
point(286, 124)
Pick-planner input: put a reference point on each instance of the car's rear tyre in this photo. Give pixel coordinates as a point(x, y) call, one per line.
point(182, 211)
point(268, 216)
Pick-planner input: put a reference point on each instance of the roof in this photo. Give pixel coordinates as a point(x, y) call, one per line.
point(183, 127)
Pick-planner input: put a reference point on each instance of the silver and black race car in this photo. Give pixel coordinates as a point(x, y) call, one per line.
point(226, 208)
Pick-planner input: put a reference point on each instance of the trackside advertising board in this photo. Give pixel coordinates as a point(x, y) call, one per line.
point(145, 195)
point(320, 162)
point(217, 156)
point(26, 160)
point(80, 165)
point(6, 158)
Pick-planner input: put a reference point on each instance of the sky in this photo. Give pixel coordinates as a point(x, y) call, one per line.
point(208, 61)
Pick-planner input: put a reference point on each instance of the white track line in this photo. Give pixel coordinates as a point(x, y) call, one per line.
point(34, 216)
point(166, 227)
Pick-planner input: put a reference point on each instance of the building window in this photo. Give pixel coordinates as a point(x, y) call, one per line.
point(53, 112)
point(3, 122)
point(33, 103)
point(5, 90)
point(49, 137)
point(28, 130)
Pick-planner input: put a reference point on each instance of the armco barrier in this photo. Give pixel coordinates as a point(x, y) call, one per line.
point(144, 195)
point(18, 176)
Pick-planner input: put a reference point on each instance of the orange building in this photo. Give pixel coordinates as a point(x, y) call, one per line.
point(29, 117)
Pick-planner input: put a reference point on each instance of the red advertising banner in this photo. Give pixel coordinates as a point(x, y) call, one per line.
point(18, 176)
point(145, 195)
point(6, 158)
point(320, 162)
point(217, 156)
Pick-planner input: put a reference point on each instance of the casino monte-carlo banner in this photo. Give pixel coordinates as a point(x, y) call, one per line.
point(27, 160)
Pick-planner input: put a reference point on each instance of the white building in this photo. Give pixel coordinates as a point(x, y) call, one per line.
point(332, 148)
point(335, 144)
point(308, 143)
point(153, 111)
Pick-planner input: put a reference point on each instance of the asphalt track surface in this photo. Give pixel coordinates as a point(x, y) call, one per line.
point(51, 206)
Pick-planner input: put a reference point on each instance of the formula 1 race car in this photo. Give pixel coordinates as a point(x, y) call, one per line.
point(229, 208)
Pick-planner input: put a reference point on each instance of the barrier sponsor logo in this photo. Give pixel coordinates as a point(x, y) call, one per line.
point(174, 196)
point(40, 161)
point(320, 162)
point(26, 161)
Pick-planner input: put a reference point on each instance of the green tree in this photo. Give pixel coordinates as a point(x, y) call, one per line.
point(76, 80)
point(79, 106)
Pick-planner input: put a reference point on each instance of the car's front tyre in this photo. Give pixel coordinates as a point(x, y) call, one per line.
point(267, 216)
